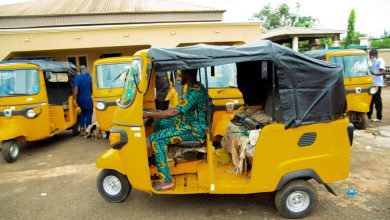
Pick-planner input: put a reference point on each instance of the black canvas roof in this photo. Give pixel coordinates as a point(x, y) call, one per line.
point(310, 90)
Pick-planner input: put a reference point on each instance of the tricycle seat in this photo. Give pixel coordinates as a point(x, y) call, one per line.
point(188, 144)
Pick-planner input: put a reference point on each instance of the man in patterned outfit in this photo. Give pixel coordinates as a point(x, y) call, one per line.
point(186, 122)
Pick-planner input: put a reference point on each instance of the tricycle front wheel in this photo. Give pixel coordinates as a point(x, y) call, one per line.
point(113, 186)
point(296, 200)
point(10, 151)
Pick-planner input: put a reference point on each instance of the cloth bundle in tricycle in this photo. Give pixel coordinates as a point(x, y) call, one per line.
point(242, 134)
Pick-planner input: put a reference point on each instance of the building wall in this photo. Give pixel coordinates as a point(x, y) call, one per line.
point(126, 39)
point(385, 54)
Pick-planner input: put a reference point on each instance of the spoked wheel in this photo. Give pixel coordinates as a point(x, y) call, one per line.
point(113, 186)
point(296, 200)
point(360, 120)
point(10, 151)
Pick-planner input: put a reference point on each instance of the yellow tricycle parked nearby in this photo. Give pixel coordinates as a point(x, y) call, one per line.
point(357, 80)
point(108, 77)
point(36, 102)
point(305, 135)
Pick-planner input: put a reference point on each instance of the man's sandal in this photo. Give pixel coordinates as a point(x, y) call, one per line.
point(160, 186)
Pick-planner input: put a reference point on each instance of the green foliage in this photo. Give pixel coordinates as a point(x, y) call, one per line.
point(305, 21)
point(282, 16)
point(381, 43)
point(351, 35)
point(325, 41)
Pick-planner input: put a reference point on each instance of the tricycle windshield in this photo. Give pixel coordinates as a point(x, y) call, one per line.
point(353, 65)
point(19, 82)
point(111, 75)
point(224, 76)
point(132, 78)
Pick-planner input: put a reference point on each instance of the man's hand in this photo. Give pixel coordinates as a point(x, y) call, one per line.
point(146, 115)
point(75, 103)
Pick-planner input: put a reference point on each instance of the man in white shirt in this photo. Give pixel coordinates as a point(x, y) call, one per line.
point(378, 71)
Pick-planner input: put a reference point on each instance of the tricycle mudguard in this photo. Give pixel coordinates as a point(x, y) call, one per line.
point(111, 160)
point(10, 130)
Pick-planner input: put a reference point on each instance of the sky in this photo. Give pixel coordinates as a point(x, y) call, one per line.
point(372, 16)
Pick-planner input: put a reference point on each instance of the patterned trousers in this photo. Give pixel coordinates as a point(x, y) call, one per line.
point(168, 131)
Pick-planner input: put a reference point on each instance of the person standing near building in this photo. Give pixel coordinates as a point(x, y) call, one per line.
point(378, 71)
point(82, 92)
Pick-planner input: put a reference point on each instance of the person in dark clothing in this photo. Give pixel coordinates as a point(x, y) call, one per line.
point(82, 92)
point(162, 89)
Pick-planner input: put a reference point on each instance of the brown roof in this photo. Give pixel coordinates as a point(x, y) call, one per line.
point(82, 7)
point(50, 13)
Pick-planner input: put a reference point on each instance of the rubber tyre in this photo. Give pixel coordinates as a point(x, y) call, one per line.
point(125, 186)
point(8, 151)
point(361, 121)
point(295, 186)
point(75, 130)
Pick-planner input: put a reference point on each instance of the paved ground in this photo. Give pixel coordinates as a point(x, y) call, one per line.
point(55, 179)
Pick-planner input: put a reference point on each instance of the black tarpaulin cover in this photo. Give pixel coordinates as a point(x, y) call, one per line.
point(310, 90)
point(317, 54)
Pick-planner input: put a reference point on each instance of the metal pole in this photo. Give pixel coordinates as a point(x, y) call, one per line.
point(208, 115)
point(273, 92)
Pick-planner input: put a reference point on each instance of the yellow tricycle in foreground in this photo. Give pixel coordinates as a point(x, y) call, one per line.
point(108, 77)
point(36, 102)
point(308, 136)
point(357, 80)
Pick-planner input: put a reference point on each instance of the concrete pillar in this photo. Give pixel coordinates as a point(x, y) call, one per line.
point(295, 43)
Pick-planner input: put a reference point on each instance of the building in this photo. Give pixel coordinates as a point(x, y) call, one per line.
point(85, 30)
point(292, 35)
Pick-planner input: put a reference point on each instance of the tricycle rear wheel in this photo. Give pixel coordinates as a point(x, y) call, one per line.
point(113, 186)
point(75, 129)
point(10, 151)
point(296, 200)
point(360, 120)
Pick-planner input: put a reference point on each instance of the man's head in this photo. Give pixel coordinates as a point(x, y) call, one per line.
point(83, 69)
point(373, 53)
point(188, 76)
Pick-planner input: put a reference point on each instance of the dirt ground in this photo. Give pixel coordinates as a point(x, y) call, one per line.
point(56, 179)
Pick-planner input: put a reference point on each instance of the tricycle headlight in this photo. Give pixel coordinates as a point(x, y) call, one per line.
point(100, 106)
point(372, 90)
point(30, 113)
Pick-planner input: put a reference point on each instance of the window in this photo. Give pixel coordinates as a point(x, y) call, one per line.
point(111, 75)
point(132, 80)
point(19, 82)
point(78, 60)
point(353, 65)
point(224, 76)
point(107, 55)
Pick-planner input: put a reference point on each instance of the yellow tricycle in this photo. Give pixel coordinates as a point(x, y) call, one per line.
point(357, 80)
point(108, 77)
point(305, 135)
point(36, 102)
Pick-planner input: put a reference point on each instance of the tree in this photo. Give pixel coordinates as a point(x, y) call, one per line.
point(282, 16)
point(351, 35)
